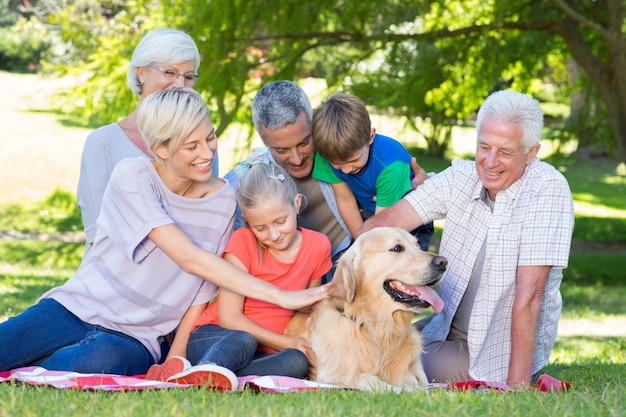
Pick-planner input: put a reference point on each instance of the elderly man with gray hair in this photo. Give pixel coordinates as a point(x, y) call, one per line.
point(508, 225)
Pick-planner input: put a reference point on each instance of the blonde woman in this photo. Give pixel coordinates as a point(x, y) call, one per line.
point(163, 226)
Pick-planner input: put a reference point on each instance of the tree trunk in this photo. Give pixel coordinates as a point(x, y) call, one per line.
point(607, 75)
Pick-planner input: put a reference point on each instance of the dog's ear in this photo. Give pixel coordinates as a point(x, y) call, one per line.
point(344, 280)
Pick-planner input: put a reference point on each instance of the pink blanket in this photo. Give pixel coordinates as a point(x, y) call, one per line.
point(277, 384)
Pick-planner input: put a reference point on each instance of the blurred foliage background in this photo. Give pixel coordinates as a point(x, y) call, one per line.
point(430, 62)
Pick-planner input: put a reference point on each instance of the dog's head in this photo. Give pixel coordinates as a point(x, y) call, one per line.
point(387, 263)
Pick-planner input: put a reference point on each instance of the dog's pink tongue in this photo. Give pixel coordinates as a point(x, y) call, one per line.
point(431, 297)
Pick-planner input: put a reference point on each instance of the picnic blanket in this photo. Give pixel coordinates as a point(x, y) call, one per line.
point(274, 384)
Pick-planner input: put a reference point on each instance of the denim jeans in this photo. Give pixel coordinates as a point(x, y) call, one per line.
point(423, 234)
point(50, 336)
point(236, 350)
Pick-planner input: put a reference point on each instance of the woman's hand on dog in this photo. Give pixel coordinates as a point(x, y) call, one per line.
point(296, 300)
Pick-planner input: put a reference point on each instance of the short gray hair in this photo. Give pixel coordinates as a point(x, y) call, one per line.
point(166, 45)
point(168, 117)
point(517, 108)
point(279, 104)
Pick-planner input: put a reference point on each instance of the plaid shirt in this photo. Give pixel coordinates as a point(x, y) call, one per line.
point(531, 224)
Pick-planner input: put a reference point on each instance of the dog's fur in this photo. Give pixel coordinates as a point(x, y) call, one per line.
point(362, 336)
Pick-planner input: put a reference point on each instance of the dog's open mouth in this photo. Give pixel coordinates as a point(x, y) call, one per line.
point(414, 297)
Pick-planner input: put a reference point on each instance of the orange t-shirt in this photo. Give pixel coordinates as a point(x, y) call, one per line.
point(312, 262)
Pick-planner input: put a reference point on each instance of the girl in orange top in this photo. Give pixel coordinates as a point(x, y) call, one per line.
point(242, 335)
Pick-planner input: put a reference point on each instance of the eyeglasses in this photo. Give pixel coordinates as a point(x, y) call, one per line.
point(188, 77)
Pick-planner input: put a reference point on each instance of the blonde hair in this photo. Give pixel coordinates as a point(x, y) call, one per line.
point(341, 126)
point(168, 117)
point(261, 183)
point(265, 182)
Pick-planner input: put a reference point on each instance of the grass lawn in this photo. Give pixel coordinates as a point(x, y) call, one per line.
point(590, 350)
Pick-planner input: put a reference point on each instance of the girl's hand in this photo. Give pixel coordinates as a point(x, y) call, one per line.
point(301, 344)
point(305, 347)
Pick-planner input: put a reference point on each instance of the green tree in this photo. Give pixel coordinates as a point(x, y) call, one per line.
point(435, 60)
point(8, 15)
point(22, 37)
point(443, 81)
point(503, 41)
point(94, 41)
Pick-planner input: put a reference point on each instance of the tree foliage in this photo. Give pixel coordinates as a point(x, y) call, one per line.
point(22, 38)
point(432, 61)
point(93, 44)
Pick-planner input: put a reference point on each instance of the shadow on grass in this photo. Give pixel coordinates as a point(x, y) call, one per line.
point(589, 268)
point(57, 213)
point(592, 300)
point(18, 291)
point(594, 182)
point(42, 254)
point(602, 231)
point(591, 363)
point(428, 163)
point(66, 120)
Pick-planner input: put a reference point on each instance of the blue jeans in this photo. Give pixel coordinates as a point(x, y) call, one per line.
point(50, 336)
point(423, 234)
point(236, 350)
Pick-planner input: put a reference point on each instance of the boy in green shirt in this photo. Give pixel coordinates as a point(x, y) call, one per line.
point(368, 171)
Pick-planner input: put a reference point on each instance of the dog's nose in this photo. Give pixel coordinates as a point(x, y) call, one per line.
point(440, 262)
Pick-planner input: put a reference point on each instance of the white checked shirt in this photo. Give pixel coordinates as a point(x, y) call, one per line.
point(531, 224)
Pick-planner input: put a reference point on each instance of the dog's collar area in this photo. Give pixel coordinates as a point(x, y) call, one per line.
point(342, 311)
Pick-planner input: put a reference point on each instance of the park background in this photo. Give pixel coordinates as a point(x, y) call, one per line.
point(67, 76)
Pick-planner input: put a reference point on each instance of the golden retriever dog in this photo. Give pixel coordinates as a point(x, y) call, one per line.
point(362, 335)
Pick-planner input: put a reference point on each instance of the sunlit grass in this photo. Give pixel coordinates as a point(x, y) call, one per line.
point(590, 354)
point(589, 350)
point(20, 287)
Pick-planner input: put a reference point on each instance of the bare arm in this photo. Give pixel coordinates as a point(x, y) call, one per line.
point(529, 289)
point(196, 261)
point(401, 214)
point(313, 284)
point(231, 316)
point(179, 345)
point(348, 207)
